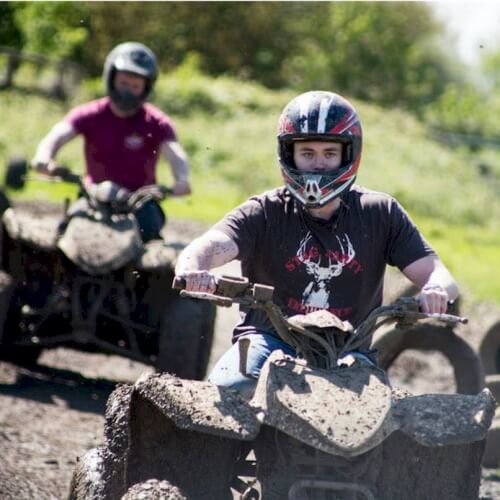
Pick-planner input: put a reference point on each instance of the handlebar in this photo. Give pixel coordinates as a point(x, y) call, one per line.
point(240, 291)
point(235, 290)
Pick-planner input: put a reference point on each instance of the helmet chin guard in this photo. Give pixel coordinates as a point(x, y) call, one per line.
point(313, 190)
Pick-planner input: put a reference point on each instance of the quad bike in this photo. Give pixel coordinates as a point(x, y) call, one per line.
point(85, 279)
point(323, 425)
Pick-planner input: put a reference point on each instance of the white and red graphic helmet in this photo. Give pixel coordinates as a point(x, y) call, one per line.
point(319, 116)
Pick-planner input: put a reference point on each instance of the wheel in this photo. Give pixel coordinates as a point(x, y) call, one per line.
point(489, 350)
point(153, 488)
point(468, 371)
point(186, 336)
point(19, 354)
point(15, 175)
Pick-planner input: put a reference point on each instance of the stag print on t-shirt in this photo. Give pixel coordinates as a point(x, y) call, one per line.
point(323, 266)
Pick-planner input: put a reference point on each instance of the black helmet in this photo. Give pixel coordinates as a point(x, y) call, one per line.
point(319, 116)
point(132, 57)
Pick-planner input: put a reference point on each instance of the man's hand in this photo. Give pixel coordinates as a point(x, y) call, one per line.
point(433, 299)
point(181, 188)
point(43, 167)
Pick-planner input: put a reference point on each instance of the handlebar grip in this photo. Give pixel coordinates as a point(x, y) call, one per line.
point(179, 283)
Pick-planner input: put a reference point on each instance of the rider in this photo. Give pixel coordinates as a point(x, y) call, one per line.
point(322, 241)
point(123, 134)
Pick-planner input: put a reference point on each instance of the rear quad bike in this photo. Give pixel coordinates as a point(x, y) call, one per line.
point(323, 425)
point(84, 279)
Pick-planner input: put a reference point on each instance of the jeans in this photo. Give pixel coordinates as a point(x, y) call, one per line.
point(151, 219)
point(226, 372)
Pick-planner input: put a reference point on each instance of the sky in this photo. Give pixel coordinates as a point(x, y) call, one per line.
point(474, 23)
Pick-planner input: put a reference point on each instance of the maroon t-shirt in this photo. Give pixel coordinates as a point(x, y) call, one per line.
point(122, 150)
point(313, 264)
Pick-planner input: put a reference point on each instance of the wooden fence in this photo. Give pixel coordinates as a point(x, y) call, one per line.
point(57, 78)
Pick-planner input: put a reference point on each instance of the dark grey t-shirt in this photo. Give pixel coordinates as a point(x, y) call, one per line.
point(314, 264)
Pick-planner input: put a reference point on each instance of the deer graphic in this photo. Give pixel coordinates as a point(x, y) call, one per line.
point(317, 292)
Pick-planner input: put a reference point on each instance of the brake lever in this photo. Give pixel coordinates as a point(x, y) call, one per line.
point(216, 299)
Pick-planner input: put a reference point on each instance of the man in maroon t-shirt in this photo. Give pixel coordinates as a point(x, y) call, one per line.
point(123, 135)
point(321, 241)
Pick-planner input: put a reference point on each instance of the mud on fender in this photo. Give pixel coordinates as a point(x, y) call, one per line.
point(200, 406)
point(342, 412)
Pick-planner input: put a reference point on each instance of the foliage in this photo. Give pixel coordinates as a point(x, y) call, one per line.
point(245, 39)
point(52, 28)
point(10, 34)
point(375, 51)
point(464, 114)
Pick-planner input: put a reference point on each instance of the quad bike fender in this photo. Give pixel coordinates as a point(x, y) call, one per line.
point(350, 411)
point(445, 419)
point(200, 406)
point(40, 232)
point(342, 412)
point(99, 247)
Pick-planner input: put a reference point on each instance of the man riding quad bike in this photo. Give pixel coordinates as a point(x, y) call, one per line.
point(86, 279)
point(92, 277)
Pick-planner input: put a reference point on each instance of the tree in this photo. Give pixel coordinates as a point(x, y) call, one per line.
point(10, 34)
point(379, 51)
point(56, 29)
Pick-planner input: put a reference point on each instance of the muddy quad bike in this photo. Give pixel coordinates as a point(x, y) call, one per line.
point(84, 279)
point(324, 425)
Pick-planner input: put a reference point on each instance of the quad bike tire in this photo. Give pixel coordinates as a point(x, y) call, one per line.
point(19, 354)
point(467, 367)
point(88, 482)
point(186, 337)
point(152, 489)
point(489, 350)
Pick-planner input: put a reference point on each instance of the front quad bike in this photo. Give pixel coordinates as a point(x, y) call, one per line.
point(84, 279)
point(324, 425)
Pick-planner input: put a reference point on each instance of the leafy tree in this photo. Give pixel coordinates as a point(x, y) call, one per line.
point(245, 39)
point(55, 29)
point(378, 51)
point(10, 34)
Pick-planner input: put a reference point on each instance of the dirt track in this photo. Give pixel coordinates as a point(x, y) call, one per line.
point(51, 416)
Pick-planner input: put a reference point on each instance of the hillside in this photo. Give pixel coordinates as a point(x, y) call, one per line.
point(228, 129)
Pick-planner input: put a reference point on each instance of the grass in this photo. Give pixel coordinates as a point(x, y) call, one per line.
point(233, 155)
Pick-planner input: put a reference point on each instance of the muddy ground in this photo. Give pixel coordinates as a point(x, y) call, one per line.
point(50, 416)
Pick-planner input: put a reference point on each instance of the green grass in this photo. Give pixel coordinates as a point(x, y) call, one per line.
point(232, 153)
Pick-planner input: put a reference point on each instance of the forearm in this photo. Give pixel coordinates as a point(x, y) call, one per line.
point(437, 286)
point(178, 160)
point(48, 147)
point(211, 250)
